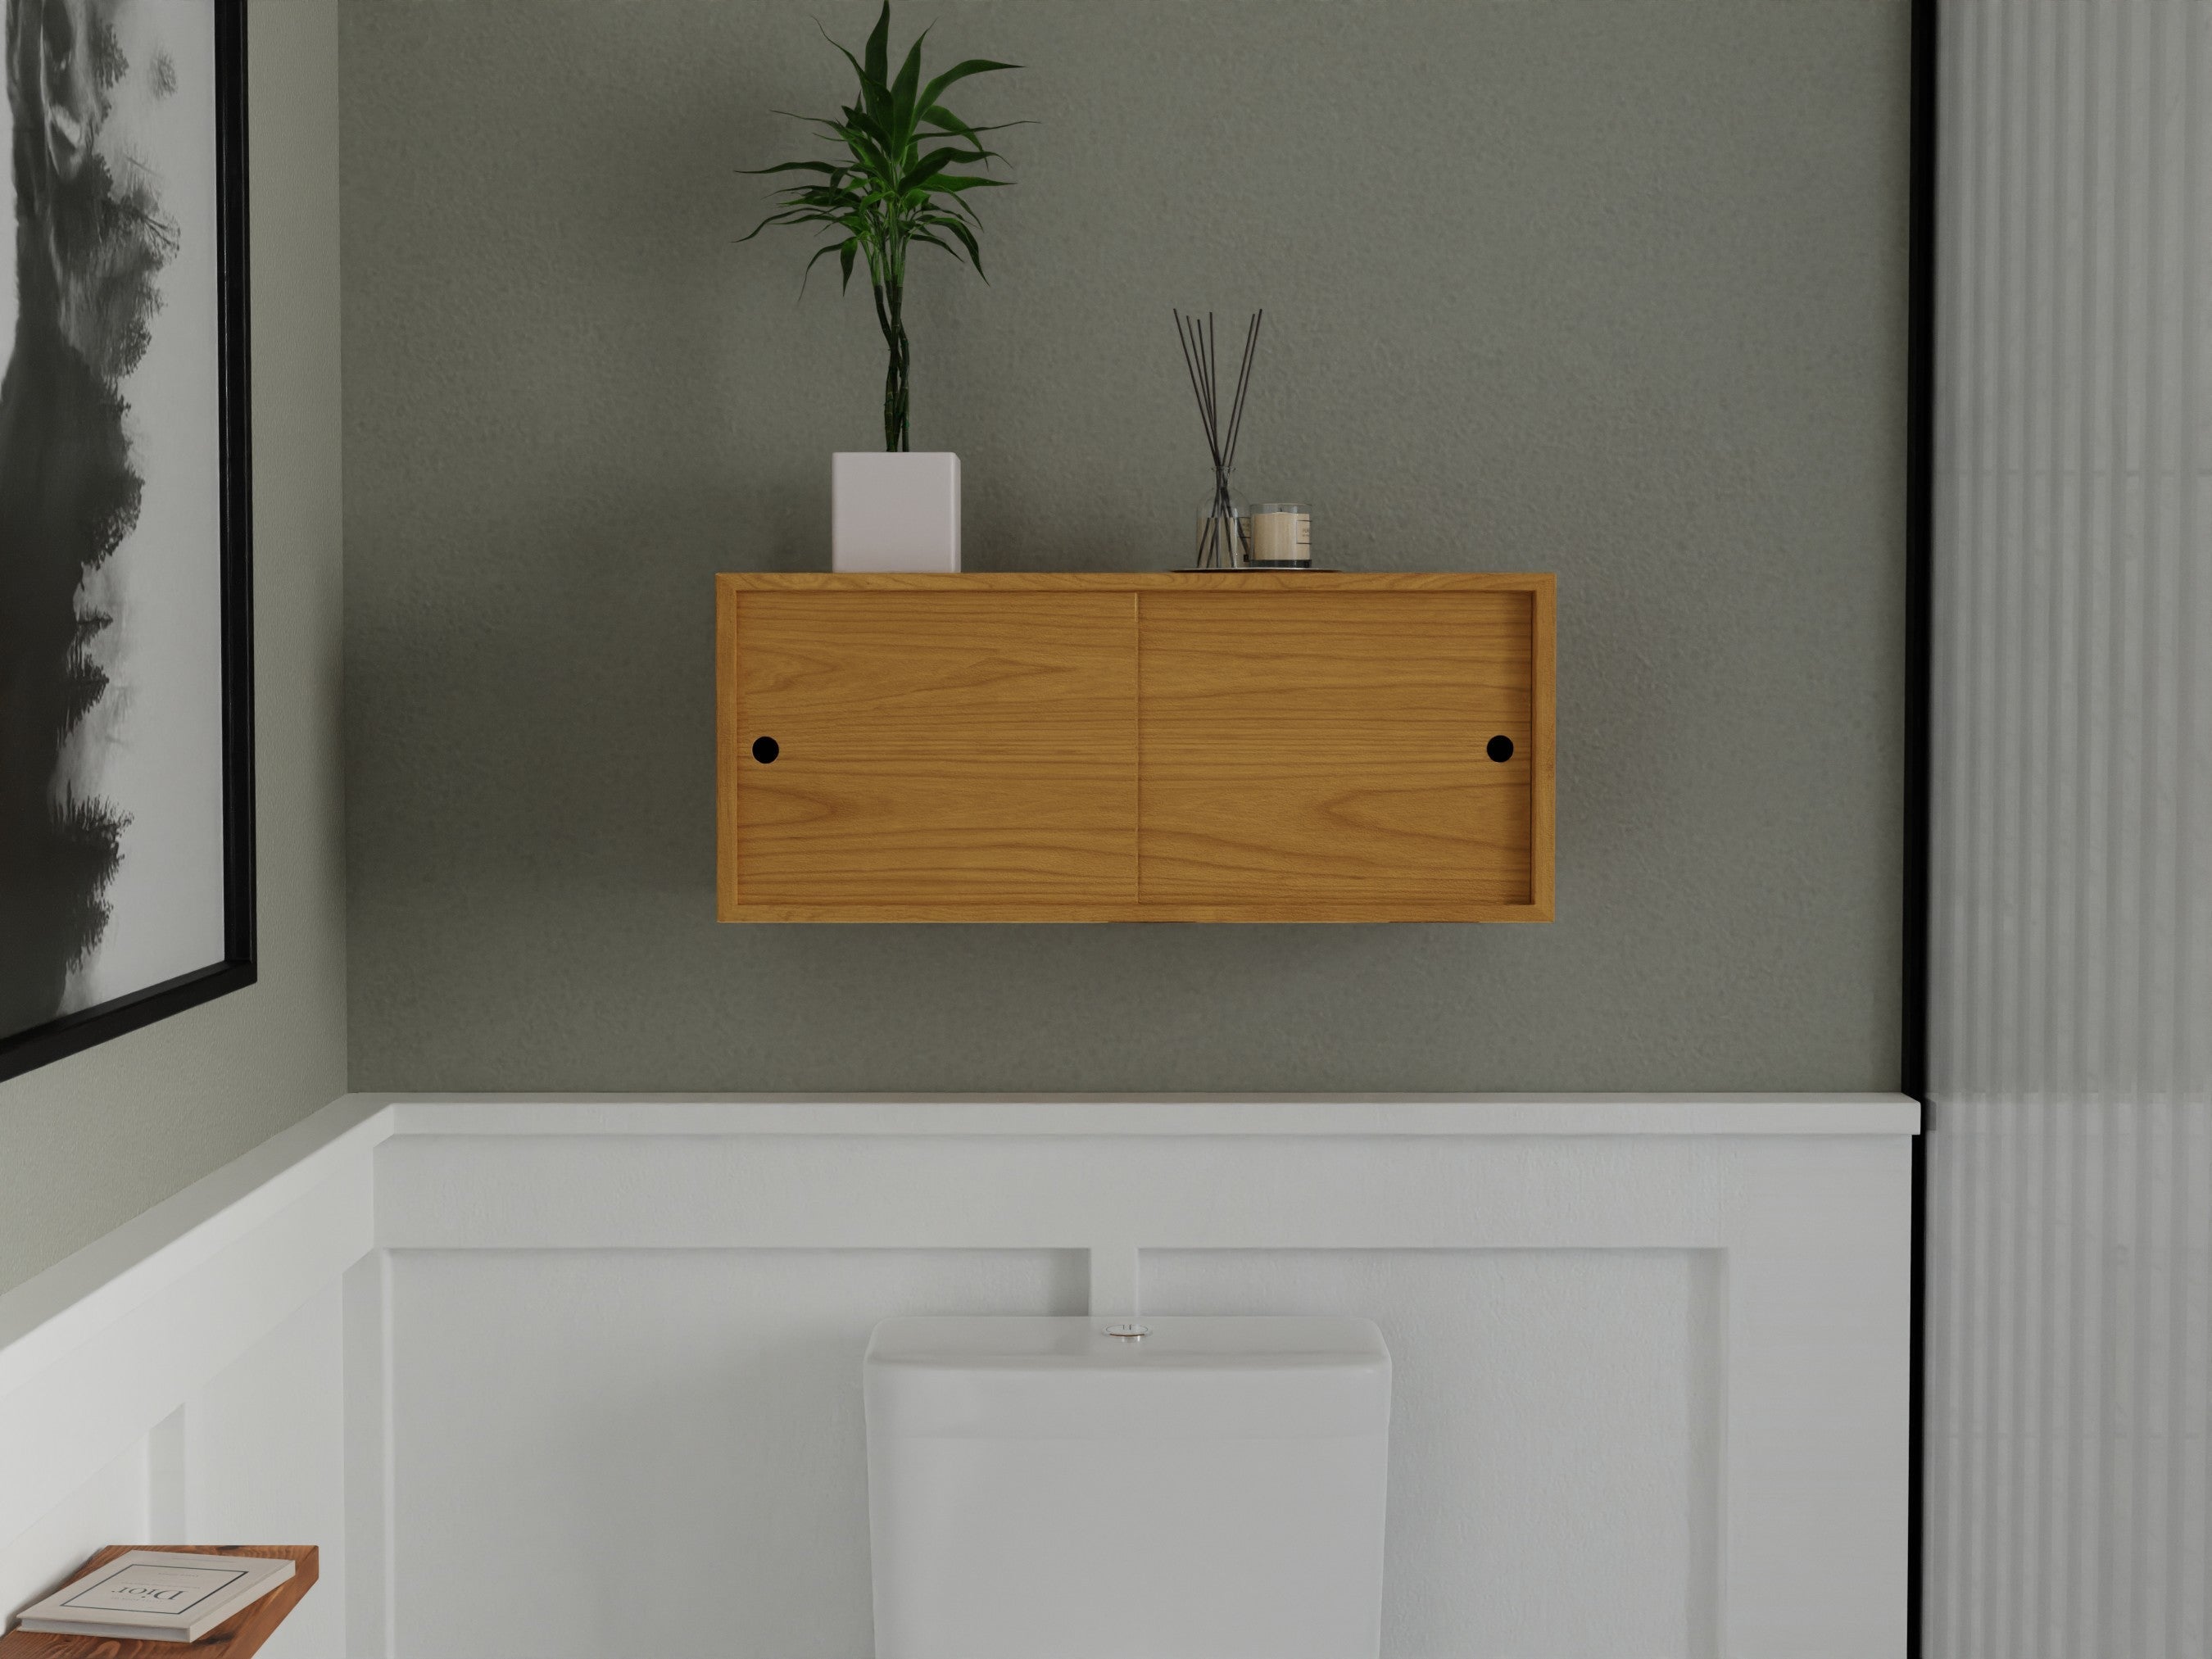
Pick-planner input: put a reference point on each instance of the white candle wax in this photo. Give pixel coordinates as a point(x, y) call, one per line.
point(1282, 535)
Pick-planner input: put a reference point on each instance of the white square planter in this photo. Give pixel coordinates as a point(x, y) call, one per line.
point(893, 511)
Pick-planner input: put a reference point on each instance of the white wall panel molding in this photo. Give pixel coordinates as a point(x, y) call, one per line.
point(166, 1303)
point(181, 1374)
point(1154, 1115)
point(43, 1318)
point(618, 1331)
point(1778, 1524)
point(370, 1503)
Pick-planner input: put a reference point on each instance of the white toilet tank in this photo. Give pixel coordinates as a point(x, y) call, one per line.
point(1038, 1489)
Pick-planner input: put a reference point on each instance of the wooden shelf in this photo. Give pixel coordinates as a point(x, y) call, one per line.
point(238, 1635)
point(1143, 746)
point(1136, 581)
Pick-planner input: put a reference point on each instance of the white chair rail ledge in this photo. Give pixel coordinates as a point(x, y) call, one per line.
point(613, 1342)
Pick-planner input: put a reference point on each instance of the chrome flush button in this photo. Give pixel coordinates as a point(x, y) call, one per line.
point(1129, 1332)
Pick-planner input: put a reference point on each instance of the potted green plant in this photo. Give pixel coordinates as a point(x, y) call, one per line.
point(897, 177)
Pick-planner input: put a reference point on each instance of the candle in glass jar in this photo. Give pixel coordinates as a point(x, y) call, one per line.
point(1282, 535)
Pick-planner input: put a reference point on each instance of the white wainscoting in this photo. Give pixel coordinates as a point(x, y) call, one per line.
point(1651, 1354)
point(180, 1380)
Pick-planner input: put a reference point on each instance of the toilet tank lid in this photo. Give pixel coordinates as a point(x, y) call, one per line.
point(1227, 1377)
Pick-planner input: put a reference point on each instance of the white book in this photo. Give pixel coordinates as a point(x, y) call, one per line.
point(155, 1596)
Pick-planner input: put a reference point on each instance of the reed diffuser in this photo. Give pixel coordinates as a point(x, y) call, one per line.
point(1223, 540)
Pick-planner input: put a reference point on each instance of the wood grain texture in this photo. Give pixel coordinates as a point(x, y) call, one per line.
point(1328, 750)
point(1544, 769)
point(946, 749)
point(238, 1635)
point(1133, 581)
point(1311, 747)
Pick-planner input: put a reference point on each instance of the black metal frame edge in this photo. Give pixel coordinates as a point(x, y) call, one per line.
point(72, 1033)
point(1919, 715)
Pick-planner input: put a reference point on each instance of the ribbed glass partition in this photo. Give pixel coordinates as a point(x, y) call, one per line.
point(2068, 1415)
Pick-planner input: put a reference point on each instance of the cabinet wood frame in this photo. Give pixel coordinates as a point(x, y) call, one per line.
point(734, 740)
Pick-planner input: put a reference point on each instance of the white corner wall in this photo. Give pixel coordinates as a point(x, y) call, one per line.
point(2069, 1387)
point(1651, 1354)
point(180, 1380)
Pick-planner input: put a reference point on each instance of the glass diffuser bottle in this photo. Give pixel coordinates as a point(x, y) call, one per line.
point(1224, 538)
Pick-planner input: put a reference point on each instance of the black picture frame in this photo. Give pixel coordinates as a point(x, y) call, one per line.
point(1914, 969)
point(72, 1033)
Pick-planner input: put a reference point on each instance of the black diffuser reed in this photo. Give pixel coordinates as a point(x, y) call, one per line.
point(1221, 532)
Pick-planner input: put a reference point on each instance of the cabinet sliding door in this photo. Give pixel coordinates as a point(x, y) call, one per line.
point(927, 756)
point(1346, 754)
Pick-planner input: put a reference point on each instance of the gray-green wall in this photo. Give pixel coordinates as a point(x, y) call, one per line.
point(1614, 290)
point(90, 1141)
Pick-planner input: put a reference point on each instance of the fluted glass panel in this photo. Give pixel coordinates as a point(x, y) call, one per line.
point(2070, 1419)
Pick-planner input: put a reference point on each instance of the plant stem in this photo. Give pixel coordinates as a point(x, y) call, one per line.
point(889, 297)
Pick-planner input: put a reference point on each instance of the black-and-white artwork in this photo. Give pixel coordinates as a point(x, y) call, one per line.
point(125, 872)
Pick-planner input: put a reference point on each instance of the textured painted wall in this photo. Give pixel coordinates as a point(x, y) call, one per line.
point(2069, 1385)
point(90, 1141)
point(1612, 290)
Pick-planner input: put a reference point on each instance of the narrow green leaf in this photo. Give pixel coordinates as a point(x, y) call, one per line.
point(972, 135)
point(935, 241)
point(873, 163)
point(959, 72)
point(795, 167)
point(938, 115)
point(857, 119)
point(951, 207)
point(936, 161)
point(786, 216)
point(775, 219)
point(951, 123)
point(879, 47)
point(859, 123)
point(859, 74)
point(902, 99)
point(967, 240)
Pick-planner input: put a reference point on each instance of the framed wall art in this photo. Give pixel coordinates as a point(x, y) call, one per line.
point(126, 803)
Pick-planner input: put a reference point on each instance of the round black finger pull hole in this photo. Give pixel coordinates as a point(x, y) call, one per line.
point(764, 749)
point(1500, 748)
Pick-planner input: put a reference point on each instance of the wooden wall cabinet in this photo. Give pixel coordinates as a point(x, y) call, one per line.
point(1135, 747)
